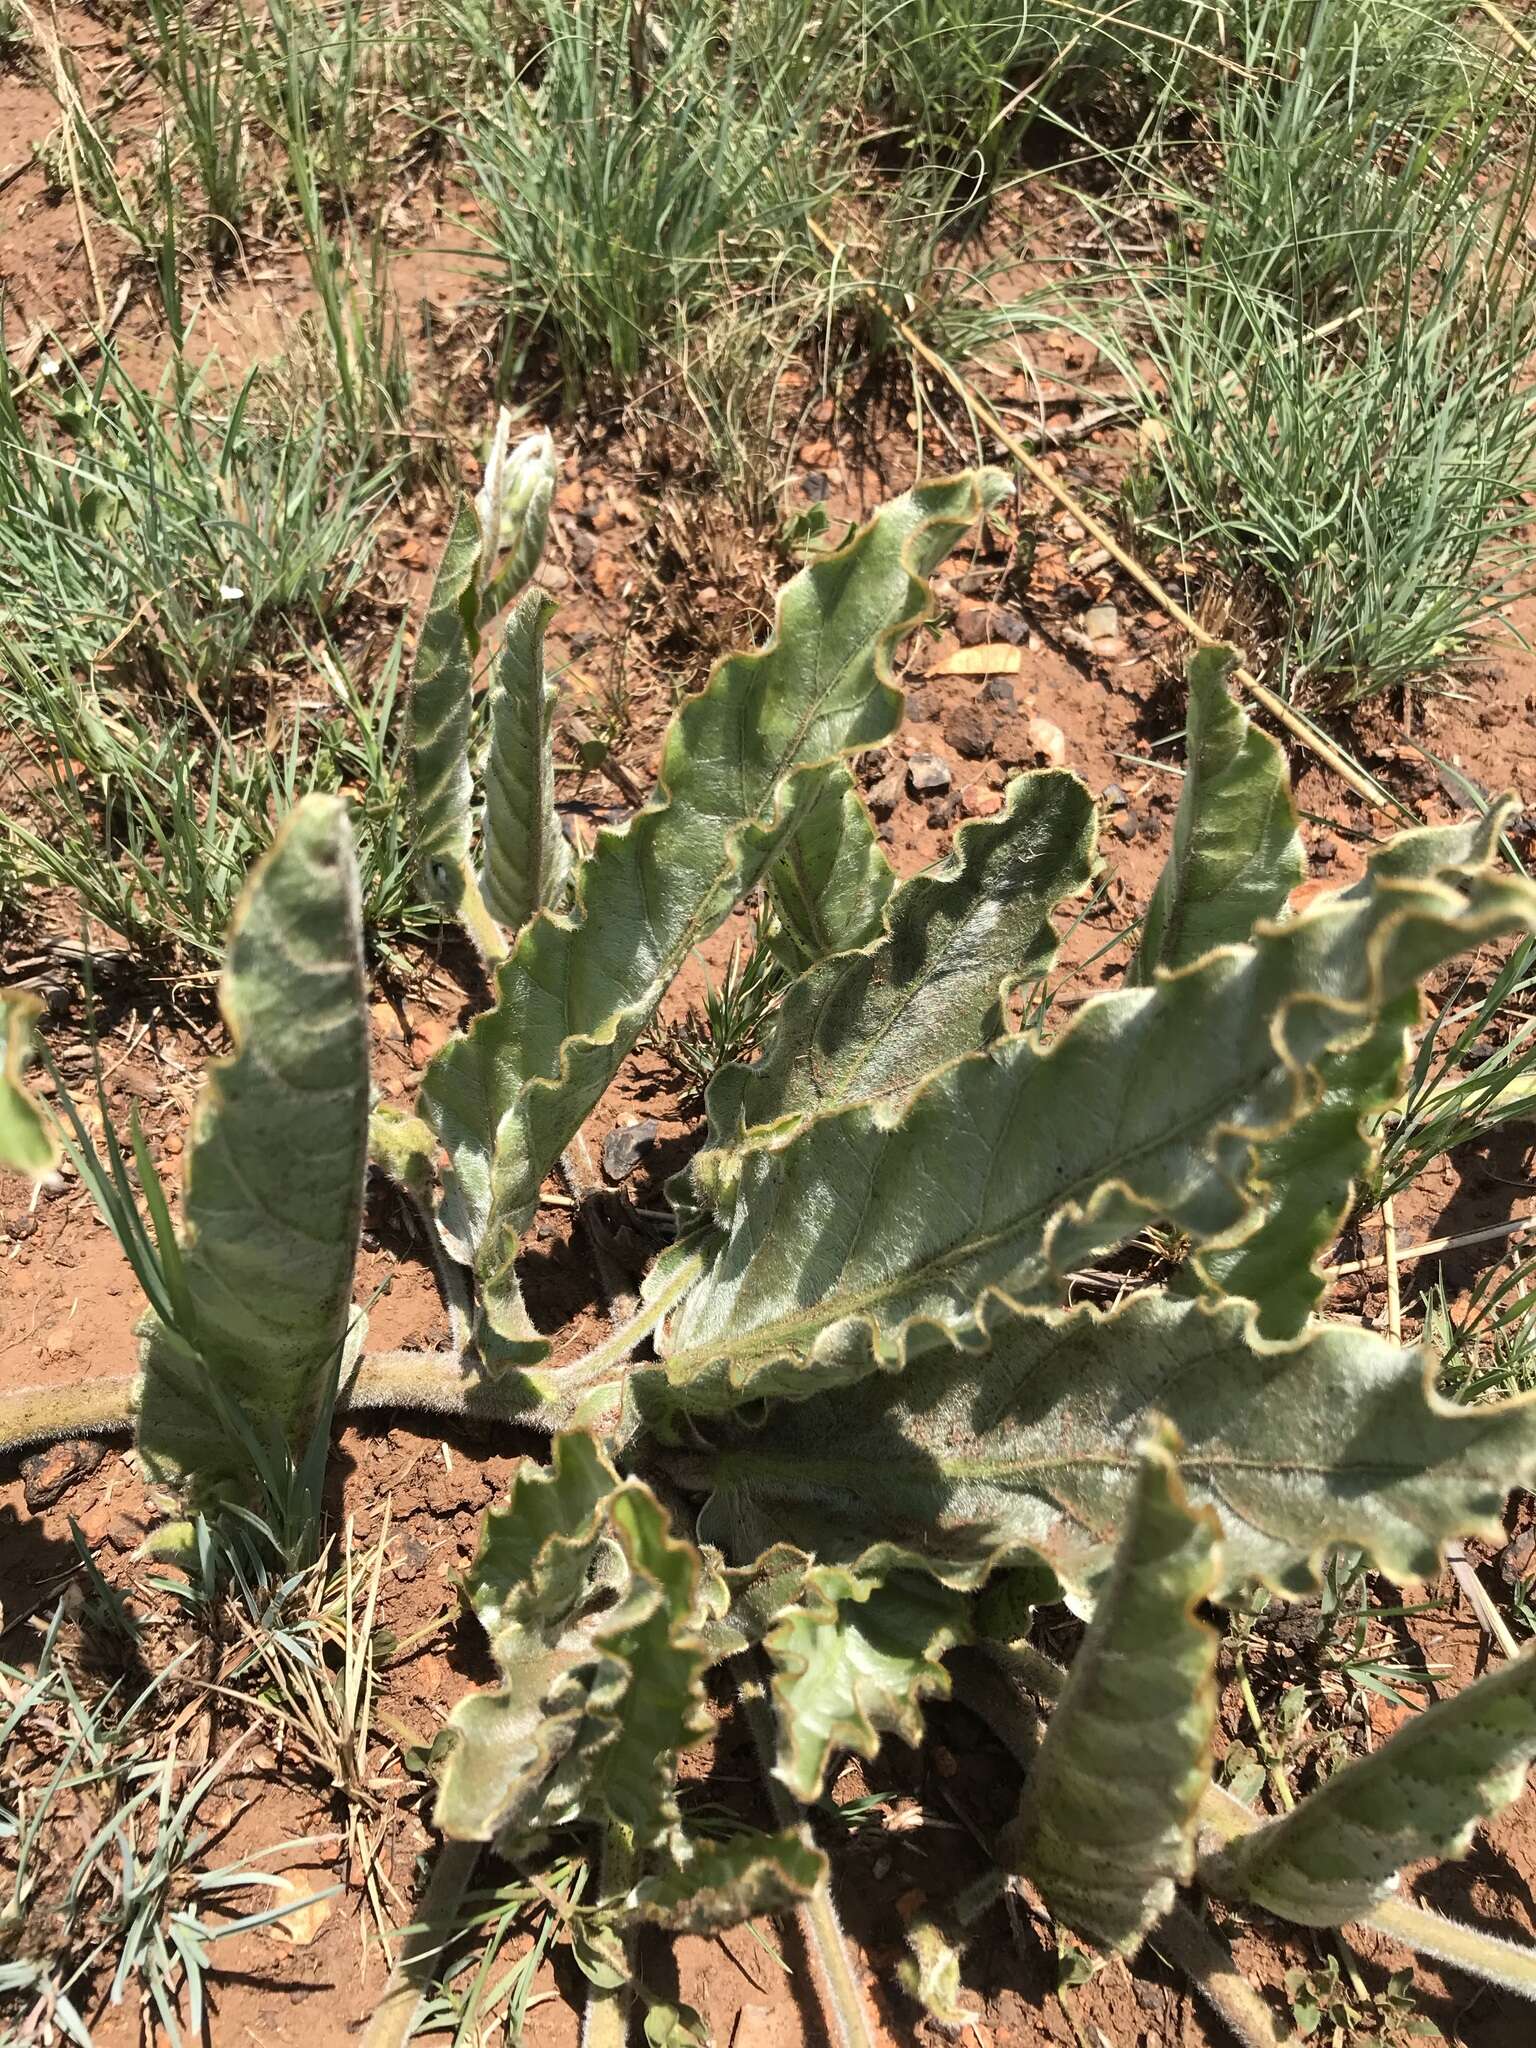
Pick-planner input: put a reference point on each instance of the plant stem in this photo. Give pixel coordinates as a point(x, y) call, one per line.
point(425, 1940)
point(458, 1294)
point(1190, 1946)
point(431, 1380)
point(553, 1398)
point(605, 2016)
point(1509, 1964)
point(40, 1415)
point(842, 2002)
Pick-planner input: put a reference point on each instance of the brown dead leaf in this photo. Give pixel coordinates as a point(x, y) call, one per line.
point(305, 1916)
point(993, 658)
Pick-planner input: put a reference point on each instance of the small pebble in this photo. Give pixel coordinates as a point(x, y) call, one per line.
point(1101, 622)
point(927, 775)
point(1048, 741)
point(885, 795)
point(966, 731)
point(622, 1149)
point(999, 690)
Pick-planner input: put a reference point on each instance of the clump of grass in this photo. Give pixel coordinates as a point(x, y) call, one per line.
point(166, 536)
point(642, 163)
point(727, 1026)
point(1339, 340)
point(109, 1889)
point(209, 92)
point(152, 826)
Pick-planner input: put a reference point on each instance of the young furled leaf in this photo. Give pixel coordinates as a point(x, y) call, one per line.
point(932, 1213)
point(591, 1606)
point(830, 886)
point(1034, 1448)
point(573, 997)
point(442, 680)
point(27, 1142)
point(1107, 1821)
point(511, 513)
point(1236, 853)
point(1336, 1854)
point(274, 1187)
point(856, 1658)
point(525, 862)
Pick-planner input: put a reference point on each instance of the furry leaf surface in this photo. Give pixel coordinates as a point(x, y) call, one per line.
point(1336, 1855)
point(1236, 852)
point(273, 1199)
point(862, 1236)
point(576, 991)
point(832, 882)
point(1106, 1825)
point(590, 1605)
point(524, 860)
point(1338, 1442)
point(872, 1023)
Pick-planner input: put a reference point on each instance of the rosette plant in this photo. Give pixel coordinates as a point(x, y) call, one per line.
point(859, 1425)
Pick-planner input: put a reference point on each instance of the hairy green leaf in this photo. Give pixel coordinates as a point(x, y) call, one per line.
point(27, 1143)
point(274, 1188)
point(859, 1237)
point(1308, 1173)
point(1336, 1855)
point(525, 862)
point(873, 1023)
point(930, 1975)
point(857, 1658)
point(442, 678)
point(590, 1605)
point(507, 1097)
point(403, 1147)
point(511, 513)
point(742, 1602)
point(1106, 1825)
point(1337, 1442)
point(1236, 852)
point(512, 510)
point(710, 1885)
point(831, 884)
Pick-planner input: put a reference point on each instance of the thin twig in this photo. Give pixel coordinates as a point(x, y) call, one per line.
point(1502, 20)
point(1407, 1254)
point(1488, 1615)
point(609, 765)
point(1389, 1255)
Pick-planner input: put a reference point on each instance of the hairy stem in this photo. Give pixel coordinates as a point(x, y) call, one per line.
point(1190, 1946)
point(605, 2015)
point(425, 1940)
point(485, 934)
point(585, 1390)
point(458, 1296)
point(842, 2002)
point(41, 1415)
point(1509, 1964)
point(589, 1389)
